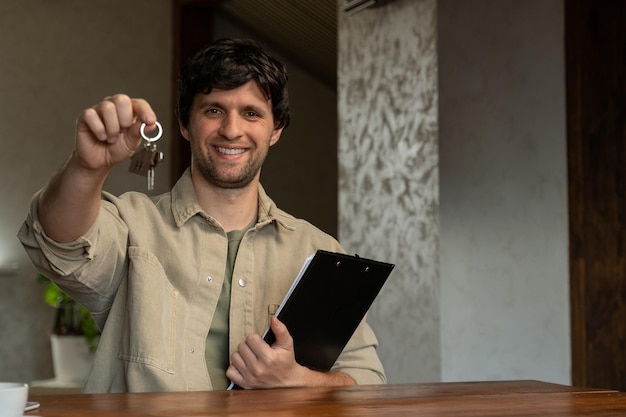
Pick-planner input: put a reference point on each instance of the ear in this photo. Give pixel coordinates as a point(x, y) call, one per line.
point(183, 130)
point(275, 135)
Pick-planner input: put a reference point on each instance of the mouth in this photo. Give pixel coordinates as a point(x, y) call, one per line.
point(230, 151)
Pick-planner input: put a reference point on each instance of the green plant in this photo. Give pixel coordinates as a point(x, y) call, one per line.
point(71, 318)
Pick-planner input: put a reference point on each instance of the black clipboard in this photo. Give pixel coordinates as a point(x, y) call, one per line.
point(325, 304)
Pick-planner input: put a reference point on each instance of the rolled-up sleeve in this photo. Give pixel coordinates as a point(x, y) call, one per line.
point(359, 358)
point(74, 265)
point(50, 257)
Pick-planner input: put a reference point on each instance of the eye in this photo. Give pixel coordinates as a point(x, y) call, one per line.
point(212, 111)
point(251, 114)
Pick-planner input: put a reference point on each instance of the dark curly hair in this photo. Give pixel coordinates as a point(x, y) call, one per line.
point(228, 64)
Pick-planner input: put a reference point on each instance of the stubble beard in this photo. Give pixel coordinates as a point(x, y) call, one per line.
point(212, 173)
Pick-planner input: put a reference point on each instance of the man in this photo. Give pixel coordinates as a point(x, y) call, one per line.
point(182, 284)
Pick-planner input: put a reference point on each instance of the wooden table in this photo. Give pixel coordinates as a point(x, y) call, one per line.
point(464, 399)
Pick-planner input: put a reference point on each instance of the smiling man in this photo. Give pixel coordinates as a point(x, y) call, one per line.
point(183, 284)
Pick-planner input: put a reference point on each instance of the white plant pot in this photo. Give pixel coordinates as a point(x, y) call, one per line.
point(71, 358)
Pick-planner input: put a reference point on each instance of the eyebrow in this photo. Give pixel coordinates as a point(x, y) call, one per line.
point(204, 104)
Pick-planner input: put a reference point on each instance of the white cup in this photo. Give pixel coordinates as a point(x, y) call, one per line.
point(13, 396)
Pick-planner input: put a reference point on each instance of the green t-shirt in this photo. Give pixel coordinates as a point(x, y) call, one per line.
point(216, 352)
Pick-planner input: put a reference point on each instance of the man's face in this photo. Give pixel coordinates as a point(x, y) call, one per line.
point(230, 132)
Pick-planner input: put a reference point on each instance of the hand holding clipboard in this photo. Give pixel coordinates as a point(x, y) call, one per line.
point(325, 304)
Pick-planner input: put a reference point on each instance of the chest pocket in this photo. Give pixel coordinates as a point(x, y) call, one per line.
point(151, 313)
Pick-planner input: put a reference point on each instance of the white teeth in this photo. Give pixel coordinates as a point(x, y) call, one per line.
point(228, 151)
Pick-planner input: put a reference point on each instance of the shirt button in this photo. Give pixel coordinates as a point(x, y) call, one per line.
point(192, 350)
point(209, 278)
point(242, 282)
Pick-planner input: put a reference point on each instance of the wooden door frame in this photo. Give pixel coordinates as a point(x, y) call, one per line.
point(595, 45)
point(193, 28)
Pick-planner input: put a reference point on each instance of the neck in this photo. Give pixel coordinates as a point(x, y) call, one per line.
point(234, 209)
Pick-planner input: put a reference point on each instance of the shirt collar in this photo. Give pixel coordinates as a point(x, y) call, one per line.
point(185, 205)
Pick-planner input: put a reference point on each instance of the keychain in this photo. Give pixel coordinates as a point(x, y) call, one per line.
point(145, 160)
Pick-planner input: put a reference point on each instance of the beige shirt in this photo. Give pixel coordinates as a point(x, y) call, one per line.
point(151, 269)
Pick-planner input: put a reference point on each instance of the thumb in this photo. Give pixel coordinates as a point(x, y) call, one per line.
point(283, 338)
point(140, 130)
point(133, 138)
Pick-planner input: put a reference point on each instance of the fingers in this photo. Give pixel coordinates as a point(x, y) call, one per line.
point(255, 364)
point(242, 365)
point(235, 376)
point(254, 351)
point(251, 360)
point(117, 114)
point(246, 354)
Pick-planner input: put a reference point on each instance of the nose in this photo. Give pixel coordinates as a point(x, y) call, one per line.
point(231, 127)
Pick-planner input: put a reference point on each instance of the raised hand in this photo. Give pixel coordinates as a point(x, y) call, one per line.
point(108, 133)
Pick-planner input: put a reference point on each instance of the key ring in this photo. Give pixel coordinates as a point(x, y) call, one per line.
point(152, 139)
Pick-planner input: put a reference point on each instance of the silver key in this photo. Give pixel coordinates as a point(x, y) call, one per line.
point(156, 158)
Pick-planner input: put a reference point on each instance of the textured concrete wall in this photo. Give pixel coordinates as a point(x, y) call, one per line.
point(388, 173)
